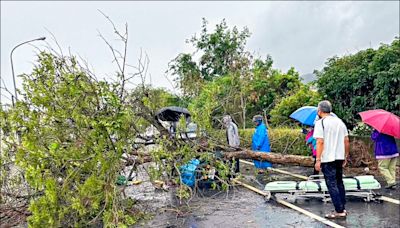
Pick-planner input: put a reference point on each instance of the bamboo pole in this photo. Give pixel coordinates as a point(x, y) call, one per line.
point(294, 207)
point(250, 187)
point(246, 162)
point(312, 215)
point(390, 200)
point(289, 173)
point(278, 170)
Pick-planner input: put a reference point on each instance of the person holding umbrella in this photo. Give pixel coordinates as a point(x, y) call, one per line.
point(386, 153)
point(307, 115)
point(386, 127)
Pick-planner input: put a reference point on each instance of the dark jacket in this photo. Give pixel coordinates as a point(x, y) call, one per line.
point(385, 145)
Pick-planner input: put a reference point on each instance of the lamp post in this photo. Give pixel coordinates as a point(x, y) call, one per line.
point(12, 65)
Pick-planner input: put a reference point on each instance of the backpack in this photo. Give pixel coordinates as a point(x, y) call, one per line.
point(188, 172)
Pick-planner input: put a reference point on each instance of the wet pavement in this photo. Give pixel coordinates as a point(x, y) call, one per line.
point(361, 213)
point(240, 208)
point(243, 208)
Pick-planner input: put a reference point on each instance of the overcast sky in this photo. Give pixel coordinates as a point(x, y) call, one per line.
point(298, 34)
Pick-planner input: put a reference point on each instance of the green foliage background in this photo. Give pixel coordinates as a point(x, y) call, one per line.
point(281, 112)
point(369, 79)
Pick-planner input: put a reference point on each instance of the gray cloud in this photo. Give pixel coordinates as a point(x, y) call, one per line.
point(299, 34)
point(305, 34)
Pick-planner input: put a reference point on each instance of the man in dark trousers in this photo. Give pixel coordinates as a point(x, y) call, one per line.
point(332, 151)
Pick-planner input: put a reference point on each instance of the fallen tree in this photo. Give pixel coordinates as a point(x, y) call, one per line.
point(355, 160)
point(275, 158)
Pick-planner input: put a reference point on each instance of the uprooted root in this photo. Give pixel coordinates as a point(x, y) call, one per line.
point(360, 155)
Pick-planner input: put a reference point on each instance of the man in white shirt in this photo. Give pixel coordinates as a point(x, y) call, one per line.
point(332, 151)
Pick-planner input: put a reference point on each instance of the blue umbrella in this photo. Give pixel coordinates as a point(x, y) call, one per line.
point(306, 115)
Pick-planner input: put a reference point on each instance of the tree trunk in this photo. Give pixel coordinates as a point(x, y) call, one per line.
point(272, 157)
point(275, 158)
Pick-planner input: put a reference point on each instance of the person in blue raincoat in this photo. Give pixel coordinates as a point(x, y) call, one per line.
point(260, 141)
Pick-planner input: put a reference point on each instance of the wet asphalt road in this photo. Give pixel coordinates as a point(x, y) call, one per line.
point(243, 208)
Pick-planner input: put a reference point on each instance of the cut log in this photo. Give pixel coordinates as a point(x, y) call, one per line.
point(249, 154)
point(271, 157)
point(276, 158)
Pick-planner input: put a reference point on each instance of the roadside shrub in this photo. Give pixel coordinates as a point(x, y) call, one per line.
point(362, 130)
point(281, 112)
point(368, 79)
point(282, 140)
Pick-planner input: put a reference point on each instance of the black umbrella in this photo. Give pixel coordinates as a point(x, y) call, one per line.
point(172, 113)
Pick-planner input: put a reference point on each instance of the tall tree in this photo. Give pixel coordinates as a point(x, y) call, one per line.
point(269, 86)
point(221, 51)
point(369, 79)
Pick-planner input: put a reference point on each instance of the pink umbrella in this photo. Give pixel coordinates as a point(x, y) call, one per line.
point(383, 121)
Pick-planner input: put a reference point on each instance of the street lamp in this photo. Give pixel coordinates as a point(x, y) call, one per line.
point(12, 66)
